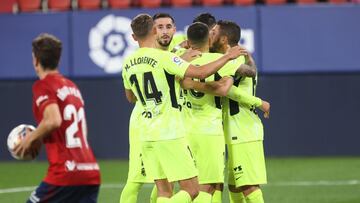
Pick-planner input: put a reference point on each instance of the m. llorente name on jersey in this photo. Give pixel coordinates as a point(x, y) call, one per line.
point(141, 60)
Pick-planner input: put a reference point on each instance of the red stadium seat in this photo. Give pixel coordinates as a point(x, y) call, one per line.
point(29, 5)
point(119, 3)
point(7, 6)
point(181, 3)
point(244, 2)
point(59, 5)
point(212, 2)
point(275, 2)
point(89, 4)
point(150, 3)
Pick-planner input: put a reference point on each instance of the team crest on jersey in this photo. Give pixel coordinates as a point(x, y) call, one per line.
point(110, 41)
point(178, 61)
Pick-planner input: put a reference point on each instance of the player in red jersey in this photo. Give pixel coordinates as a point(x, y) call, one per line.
point(73, 174)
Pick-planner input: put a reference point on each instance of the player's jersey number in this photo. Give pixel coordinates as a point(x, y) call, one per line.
point(73, 141)
point(151, 92)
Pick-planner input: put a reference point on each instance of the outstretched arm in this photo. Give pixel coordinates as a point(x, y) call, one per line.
point(241, 96)
point(206, 70)
point(217, 88)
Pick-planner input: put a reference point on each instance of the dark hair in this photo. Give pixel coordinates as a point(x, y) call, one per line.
point(163, 15)
point(206, 18)
point(198, 33)
point(141, 25)
point(231, 30)
point(47, 49)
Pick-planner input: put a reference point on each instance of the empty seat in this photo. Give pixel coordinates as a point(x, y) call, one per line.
point(89, 4)
point(6, 6)
point(212, 2)
point(59, 5)
point(150, 3)
point(29, 5)
point(244, 2)
point(119, 3)
point(181, 3)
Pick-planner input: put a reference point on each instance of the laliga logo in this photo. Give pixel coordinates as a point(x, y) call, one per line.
point(110, 41)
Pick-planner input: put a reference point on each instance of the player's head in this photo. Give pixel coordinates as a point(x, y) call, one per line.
point(198, 35)
point(224, 33)
point(46, 51)
point(206, 18)
point(142, 26)
point(165, 29)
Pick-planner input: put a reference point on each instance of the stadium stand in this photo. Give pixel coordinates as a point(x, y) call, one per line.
point(29, 5)
point(212, 2)
point(338, 1)
point(244, 2)
point(150, 4)
point(89, 4)
point(59, 5)
point(119, 3)
point(274, 2)
point(7, 6)
point(181, 3)
point(306, 1)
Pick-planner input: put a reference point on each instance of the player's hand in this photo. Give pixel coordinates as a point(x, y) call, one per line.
point(236, 51)
point(186, 83)
point(25, 147)
point(190, 54)
point(265, 107)
point(226, 83)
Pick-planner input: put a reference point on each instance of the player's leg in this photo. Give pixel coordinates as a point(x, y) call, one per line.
point(178, 164)
point(217, 196)
point(248, 170)
point(209, 155)
point(130, 192)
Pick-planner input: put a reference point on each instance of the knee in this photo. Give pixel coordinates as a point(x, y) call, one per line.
point(234, 189)
point(248, 189)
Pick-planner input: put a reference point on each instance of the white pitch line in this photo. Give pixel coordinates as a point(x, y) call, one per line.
point(276, 184)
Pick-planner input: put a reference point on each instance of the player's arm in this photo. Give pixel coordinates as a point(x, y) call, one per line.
point(249, 68)
point(206, 70)
point(190, 54)
point(130, 96)
point(241, 96)
point(51, 121)
point(217, 88)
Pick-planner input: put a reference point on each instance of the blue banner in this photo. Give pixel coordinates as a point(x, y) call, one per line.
point(310, 38)
point(16, 35)
point(103, 39)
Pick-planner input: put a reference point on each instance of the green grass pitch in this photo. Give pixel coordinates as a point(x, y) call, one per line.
point(291, 180)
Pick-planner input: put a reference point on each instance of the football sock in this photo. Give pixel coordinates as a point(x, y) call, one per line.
point(255, 197)
point(153, 195)
point(217, 196)
point(237, 197)
point(130, 192)
point(163, 200)
point(203, 197)
point(181, 197)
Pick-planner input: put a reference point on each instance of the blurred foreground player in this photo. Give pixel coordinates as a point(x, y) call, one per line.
point(73, 174)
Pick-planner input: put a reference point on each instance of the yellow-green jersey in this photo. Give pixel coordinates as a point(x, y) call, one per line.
point(176, 40)
point(241, 122)
point(150, 74)
point(205, 115)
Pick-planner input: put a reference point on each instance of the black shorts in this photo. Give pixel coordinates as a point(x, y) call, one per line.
point(68, 194)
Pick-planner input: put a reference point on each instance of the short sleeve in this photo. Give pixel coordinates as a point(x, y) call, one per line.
point(125, 80)
point(173, 64)
point(231, 67)
point(43, 95)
